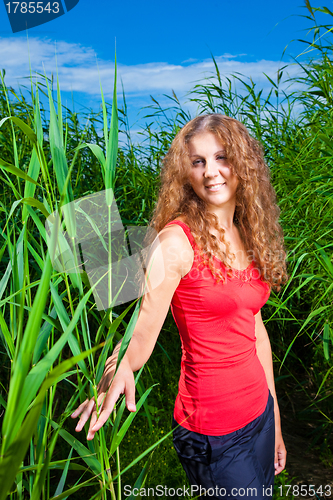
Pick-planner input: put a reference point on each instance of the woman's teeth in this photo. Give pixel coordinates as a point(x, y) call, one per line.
point(215, 187)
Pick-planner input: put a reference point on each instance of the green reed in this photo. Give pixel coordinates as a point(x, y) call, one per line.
point(54, 341)
point(47, 317)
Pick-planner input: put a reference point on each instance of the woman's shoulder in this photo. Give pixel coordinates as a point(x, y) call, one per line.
point(176, 229)
point(179, 230)
point(175, 238)
point(178, 221)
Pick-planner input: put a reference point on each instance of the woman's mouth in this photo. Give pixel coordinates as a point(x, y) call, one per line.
point(215, 187)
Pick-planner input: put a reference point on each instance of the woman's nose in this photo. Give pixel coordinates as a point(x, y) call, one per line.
point(211, 169)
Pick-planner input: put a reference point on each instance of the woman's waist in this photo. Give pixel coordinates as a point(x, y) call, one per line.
point(206, 380)
point(220, 415)
point(209, 359)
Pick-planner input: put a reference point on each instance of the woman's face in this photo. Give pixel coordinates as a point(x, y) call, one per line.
point(211, 176)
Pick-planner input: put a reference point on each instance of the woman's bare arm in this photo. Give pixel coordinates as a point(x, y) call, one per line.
point(171, 258)
point(264, 353)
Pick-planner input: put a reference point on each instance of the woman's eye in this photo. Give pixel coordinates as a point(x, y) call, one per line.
point(197, 162)
point(221, 157)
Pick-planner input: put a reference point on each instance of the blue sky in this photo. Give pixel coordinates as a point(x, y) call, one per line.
point(160, 45)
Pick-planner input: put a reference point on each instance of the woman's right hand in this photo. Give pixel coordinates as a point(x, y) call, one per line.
point(171, 256)
point(108, 394)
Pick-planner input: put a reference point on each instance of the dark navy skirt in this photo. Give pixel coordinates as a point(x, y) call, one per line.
point(239, 465)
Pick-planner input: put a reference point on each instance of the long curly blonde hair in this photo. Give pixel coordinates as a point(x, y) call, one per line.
point(256, 213)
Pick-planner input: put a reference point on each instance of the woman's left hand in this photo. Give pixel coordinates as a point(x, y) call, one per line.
point(280, 453)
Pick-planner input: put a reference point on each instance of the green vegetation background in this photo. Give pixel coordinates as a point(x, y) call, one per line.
point(47, 318)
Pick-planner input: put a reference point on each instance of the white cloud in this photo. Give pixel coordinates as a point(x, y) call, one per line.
point(78, 70)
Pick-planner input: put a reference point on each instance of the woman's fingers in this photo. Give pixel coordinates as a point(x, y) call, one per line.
point(85, 415)
point(89, 407)
point(97, 422)
point(280, 456)
point(130, 394)
point(106, 402)
point(93, 420)
point(281, 463)
point(79, 409)
point(108, 406)
point(111, 400)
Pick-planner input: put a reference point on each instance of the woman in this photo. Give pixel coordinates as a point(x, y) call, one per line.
point(221, 249)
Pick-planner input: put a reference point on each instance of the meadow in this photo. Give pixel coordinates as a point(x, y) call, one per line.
point(54, 340)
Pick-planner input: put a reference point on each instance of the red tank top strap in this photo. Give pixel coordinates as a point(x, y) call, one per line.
point(186, 230)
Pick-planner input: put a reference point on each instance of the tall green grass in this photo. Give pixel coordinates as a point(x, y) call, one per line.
point(54, 340)
point(51, 334)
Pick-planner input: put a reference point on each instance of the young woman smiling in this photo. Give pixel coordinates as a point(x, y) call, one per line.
point(220, 248)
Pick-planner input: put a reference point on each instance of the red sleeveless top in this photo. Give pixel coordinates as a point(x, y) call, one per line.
point(222, 385)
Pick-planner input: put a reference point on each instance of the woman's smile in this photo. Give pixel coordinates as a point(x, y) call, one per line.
point(215, 187)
